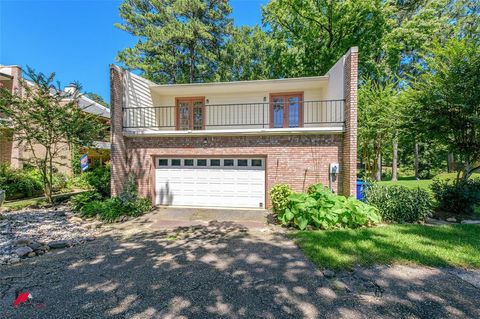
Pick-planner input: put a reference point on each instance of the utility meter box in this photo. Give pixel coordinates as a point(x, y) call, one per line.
point(334, 168)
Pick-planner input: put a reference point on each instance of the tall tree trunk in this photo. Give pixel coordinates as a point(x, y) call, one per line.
point(378, 166)
point(395, 158)
point(450, 163)
point(416, 161)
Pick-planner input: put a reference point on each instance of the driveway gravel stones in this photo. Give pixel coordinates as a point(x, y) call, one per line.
point(32, 232)
point(222, 270)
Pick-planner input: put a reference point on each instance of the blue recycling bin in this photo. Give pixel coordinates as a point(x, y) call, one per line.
point(361, 185)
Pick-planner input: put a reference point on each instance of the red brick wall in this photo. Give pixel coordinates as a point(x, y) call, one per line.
point(10, 150)
point(117, 151)
point(299, 160)
point(350, 135)
point(5, 147)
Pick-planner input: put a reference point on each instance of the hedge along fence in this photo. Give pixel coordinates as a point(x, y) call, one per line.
point(399, 204)
point(320, 208)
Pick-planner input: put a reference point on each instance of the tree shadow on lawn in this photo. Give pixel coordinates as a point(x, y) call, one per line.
point(216, 271)
point(443, 246)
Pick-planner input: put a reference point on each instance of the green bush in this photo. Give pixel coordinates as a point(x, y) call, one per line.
point(279, 196)
point(113, 209)
point(399, 203)
point(79, 201)
point(98, 179)
point(321, 208)
point(460, 197)
point(19, 183)
point(90, 204)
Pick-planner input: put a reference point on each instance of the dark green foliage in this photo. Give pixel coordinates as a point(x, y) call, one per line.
point(179, 41)
point(19, 183)
point(113, 209)
point(458, 197)
point(47, 117)
point(79, 201)
point(99, 179)
point(312, 35)
point(93, 204)
point(399, 204)
point(449, 100)
point(321, 208)
point(279, 196)
point(247, 55)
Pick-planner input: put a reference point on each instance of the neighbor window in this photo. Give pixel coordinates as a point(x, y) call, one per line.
point(286, 110)
point(176, 162)
point(188, 162)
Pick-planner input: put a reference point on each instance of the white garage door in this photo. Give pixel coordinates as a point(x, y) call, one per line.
point(224, 182)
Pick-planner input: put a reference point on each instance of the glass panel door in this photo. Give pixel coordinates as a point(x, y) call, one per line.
point(286, 110)
point(190, 114)
point(294, 111)
point(278, 110)
point(183, 115)
point(198, 115)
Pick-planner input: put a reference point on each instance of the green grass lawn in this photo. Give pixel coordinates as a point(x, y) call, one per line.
point(409, 182)
point(446, 245)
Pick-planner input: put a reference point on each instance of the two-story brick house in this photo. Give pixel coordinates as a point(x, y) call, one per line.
point(15, 155)
point(227, 143)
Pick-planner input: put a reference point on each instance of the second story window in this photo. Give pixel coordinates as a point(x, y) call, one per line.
point(286, 110)
point(191, 113)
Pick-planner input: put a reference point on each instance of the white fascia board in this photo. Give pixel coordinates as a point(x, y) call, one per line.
point(278, 131)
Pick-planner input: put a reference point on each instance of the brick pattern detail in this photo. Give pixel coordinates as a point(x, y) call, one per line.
point(117, 151)
point(10, 150)
point(5, 147)
point(350, 135)
point(298, 160)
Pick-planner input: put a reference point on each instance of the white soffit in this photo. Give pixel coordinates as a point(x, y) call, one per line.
point(277, 85)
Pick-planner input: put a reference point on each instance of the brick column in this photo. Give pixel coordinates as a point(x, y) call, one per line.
point(350, 135)
point(14, 153)
point(117, 149)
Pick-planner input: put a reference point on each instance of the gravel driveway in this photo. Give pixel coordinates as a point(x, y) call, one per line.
point(222, 270)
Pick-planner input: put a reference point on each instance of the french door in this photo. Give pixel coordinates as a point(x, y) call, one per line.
point(190, 113)
point(286, 110)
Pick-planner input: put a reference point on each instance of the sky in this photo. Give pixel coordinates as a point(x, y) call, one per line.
point(77, 39)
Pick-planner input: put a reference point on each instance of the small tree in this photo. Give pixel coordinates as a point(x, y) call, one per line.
point(46, 121)
point(449, 98)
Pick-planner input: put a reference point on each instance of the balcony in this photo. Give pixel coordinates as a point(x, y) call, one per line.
point(196, 116)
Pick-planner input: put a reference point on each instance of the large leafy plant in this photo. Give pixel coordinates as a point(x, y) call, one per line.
point(320, 208)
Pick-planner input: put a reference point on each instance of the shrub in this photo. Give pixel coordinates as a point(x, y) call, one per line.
point(19, 183)
point(399, 203)
point(279, 196)
point(113, 209)
point(79, 201)
point(90, 204)
point(321, 208)
point(457, 197)
point(98, 179)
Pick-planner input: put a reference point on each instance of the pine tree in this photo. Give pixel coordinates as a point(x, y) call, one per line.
point(179, 41)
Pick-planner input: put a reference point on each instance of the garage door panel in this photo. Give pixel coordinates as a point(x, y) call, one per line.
point(211, 186)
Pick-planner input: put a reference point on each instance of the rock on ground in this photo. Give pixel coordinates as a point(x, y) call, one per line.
point(27, 232)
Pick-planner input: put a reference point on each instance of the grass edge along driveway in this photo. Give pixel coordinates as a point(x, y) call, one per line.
point(441, 246)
